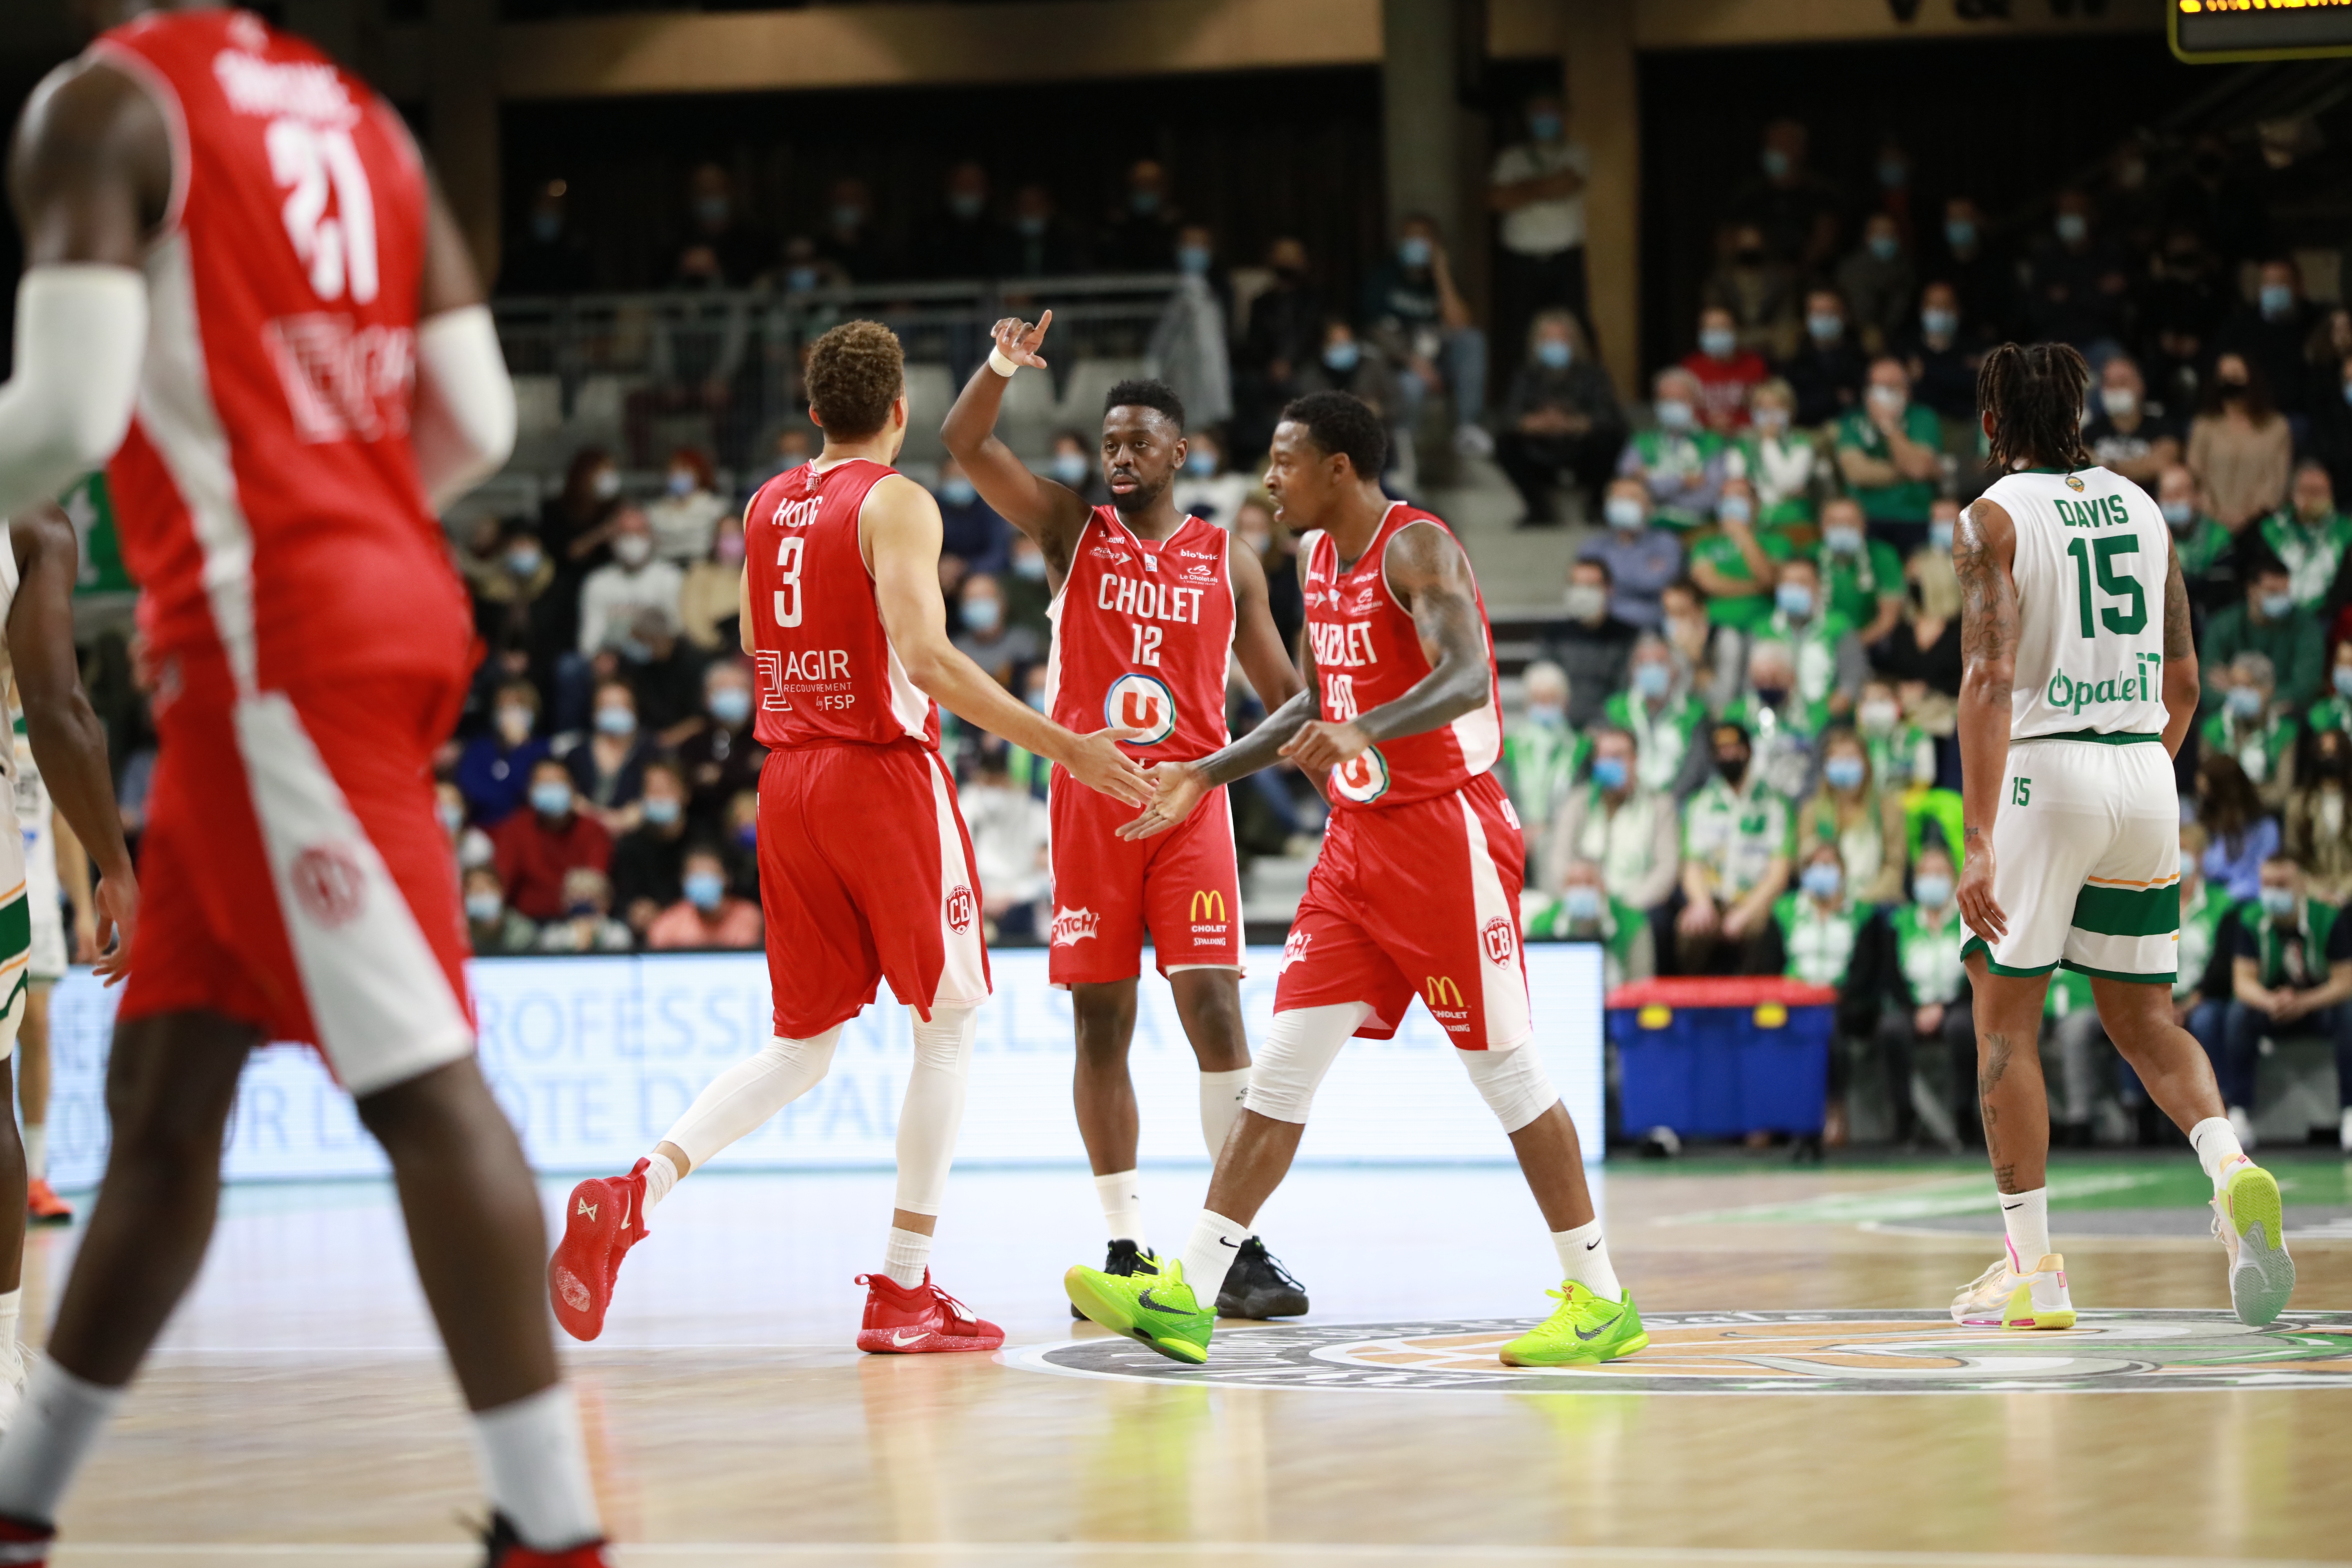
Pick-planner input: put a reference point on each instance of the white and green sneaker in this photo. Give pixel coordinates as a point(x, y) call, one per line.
point(2251, 1220)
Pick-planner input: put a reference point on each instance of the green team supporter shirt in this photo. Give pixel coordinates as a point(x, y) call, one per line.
point(1741, 611)
point(2300, 955)
point(2257, 747)
point(2201, 927)
point(1856, 583)
point(1929, 954)
point(1735, 836)
point(1661, 740)
point(1820, 942)
point(1905, 500)
point(2312, 553)
point(1619, 927)
point(2329, 713)
point(1688, 454)
point(1901, 757)
point(2208, 542)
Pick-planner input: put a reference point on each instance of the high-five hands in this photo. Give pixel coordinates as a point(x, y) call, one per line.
point(1177, 788)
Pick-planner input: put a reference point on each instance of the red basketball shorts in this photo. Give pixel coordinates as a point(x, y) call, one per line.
point(865, 874)
point(1417, 899)
point(293, 875)
point(1183, 887)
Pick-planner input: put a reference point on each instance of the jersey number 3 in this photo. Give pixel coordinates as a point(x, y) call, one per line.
point(788, 580)
point(2124, 586)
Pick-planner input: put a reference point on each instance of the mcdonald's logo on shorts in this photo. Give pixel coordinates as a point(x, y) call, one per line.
point(1439, 990)
point(1209, 906)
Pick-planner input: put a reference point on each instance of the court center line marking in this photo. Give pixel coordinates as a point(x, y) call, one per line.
point(86, 1554)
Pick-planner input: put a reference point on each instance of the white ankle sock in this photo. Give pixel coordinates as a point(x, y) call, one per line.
point(1209, 1255)
point(11, 1304)
point(1121, 1193)
point(1221, 1106)
point(55, 1427)
point(905, 1258)
point(535, 1466)
point(2217, 1146)
point(2027, 1215)
point(661, 1176)
point(1584, 1258)
point(36, 1150)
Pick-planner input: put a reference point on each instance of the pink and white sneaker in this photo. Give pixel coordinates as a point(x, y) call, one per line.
point(2006, 1297)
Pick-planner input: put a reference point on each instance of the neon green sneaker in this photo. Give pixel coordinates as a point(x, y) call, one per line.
point(1157, 1308)
point(2251, 1222)
point(1587, 1329)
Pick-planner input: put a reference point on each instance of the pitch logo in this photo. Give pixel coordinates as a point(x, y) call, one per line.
point(1209, 905)
point(1498, 940)
point(1362, 779)
point(1072, 927)
point(959, 908)
point(1141, 702)
point(1295, 950)
point(329, 884)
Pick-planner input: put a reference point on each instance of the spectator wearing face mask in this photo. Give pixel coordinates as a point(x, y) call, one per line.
point(1028, 594)
point(2331, 421)
point(1794, 208)
point(1360, 367)
point(2242, 834)
point(1411, 309)
point(493, 928)
point(1642, 558)
point(585, 924)
point(1737, 562)
point(1828, 368)
point(1541, 752)
point(2269, 333)
point(534, 849)
point(1758, 289)
point(1862, 576)
point(1560, 419)
point(1726, 372)
point(986, 638)
point(1205, 488)
point(1282, 332)
point(1709, 655)
point(1925, 1035)
point(1591, 644)
point(1632, 832)
point(2333, 712)
point(2249, 726)
point(848, 240)
point(508, 582)
point(956, 239)
point(1188, 346)
point(1537, 189)
point(1890, 451)
point(1784, 725)
point(2318, 833)
point(548, 255)
point(2239, 446)
point(970, 529)
point(1257, 530)
point(2310, 537)
point(1585, 912)
point(2291, 979)
point(1902, 756)
point(1942, 357)
point(1849, 810)
point(1879, 283)
point(649, 859)
point(1964, 257)
point(2269, 622)
point(575, 527)
point(2125, 431)
point(1924, 644)
point(1035, 241)
point(1829, 665)
point(633, 582)
point(608, 770)
point(1075, 464)
point(1009, 831)
point(494, 770)
point(1680, 463)
point(723, 759)
point(706, 915)
point(2209, 565)
point(1139, 231)
point(1822, 925)
point(2075, 283)
point(2209, 929)
point(708, 601)
point(1737, 838)
point(1658, 710)
point(685, 515)
point(1779, 463)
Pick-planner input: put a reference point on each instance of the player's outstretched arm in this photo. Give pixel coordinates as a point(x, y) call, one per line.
point(68, 743)
point(1984, 545)
point(1429, 574)
point(900, 525)
point(1051, 513)
point(2181, 678)
point(91, 180)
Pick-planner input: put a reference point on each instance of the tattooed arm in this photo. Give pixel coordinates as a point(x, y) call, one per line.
point(1984, 545)
point(2180, 682)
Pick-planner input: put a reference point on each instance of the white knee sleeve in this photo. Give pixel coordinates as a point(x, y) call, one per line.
point(743, 1097)
point(1512, 1083)
point(1298, 1050)
point(934, 1106)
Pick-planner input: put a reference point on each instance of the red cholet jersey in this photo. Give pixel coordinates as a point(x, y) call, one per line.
point(826, 669)
point(1143, 632)
point(267, 498)
point(1366, 653)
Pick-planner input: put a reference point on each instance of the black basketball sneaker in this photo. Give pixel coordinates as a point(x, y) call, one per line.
point(1126, 1257)
point(1258, 1287)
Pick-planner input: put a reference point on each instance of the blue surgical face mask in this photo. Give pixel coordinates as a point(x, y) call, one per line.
point(2342, 678)
point(1201, 465)
point(1823, 879)
point(550, 799)
point(1842, 541)
point(1543, 126)
point(1143, 203)
point(1893, 173)
point(2278, 902)
point(1036, 698)
point(983, 613)
point(1030, 226)
point(1775, 163)
point(1825, 326)
point(482, 908)
point(2179, 514)
point(2277, 606)
point(1192, 258)
point(523, 563)
point(616, 720)
point(1795, 599)
point(710, 211)
point(1843, 773)
point(1939, 324)
point(1609, 772)
point(1071, 468)
point(731, 705)
point(1674, 414)
point(682, 482)
point(1960, 233)
point(1933, 892)
point(747, 835)
point(1554, 353)
point(1582, 902)
point(958, 490)
point(2245, 701)
point(705, 889)
point(547, 228)
point(1415, 251)
point(1940, 537)
point(1651, 680)
point(799, 279)
point(2073, 227)
point(1625, 513)
point(2277, 302)
point(1550, 715)
point(1341, 358)
point(967, 204)
point(1030, 568)
point(661, 810)
point(1735, 508)
point(452, 815)
point(1718, 342)
point(2348, 392)
point(1885, 246)
point(848, 216)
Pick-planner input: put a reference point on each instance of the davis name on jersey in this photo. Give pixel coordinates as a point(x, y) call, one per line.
point(2089, 565)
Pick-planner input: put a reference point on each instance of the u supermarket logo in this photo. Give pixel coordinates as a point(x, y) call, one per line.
point(1141, 702)
point(1209, 904)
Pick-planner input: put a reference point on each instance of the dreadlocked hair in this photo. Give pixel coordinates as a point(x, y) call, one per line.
point(2035, 394)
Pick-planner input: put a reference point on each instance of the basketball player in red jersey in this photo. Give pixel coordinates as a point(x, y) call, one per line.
point(1416, 891)
point(865, 869)
point(1150, 607)
point(236, 239)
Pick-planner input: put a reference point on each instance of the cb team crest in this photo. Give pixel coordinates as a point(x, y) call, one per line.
point(1141, 702)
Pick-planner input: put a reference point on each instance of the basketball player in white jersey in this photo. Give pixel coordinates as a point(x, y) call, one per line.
point(57, 868)
point(2080, 685)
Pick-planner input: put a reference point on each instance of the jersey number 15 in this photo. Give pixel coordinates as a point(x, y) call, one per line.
point(2121, 586)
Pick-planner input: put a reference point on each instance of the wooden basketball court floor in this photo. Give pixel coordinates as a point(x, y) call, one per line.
point(299, 1412)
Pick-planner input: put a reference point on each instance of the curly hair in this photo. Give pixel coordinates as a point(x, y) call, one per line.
point(2035, 397)
point(1342, 423)
point(854, 372)
point(1157, 396)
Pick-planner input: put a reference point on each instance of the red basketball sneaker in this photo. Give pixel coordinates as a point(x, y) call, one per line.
point(899, 1322)
point(507, 1552)
point(606, 1217)
point(42, 1204)
point(23, 1545)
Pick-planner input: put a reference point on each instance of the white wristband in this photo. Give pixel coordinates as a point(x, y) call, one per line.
point(1000, 364)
